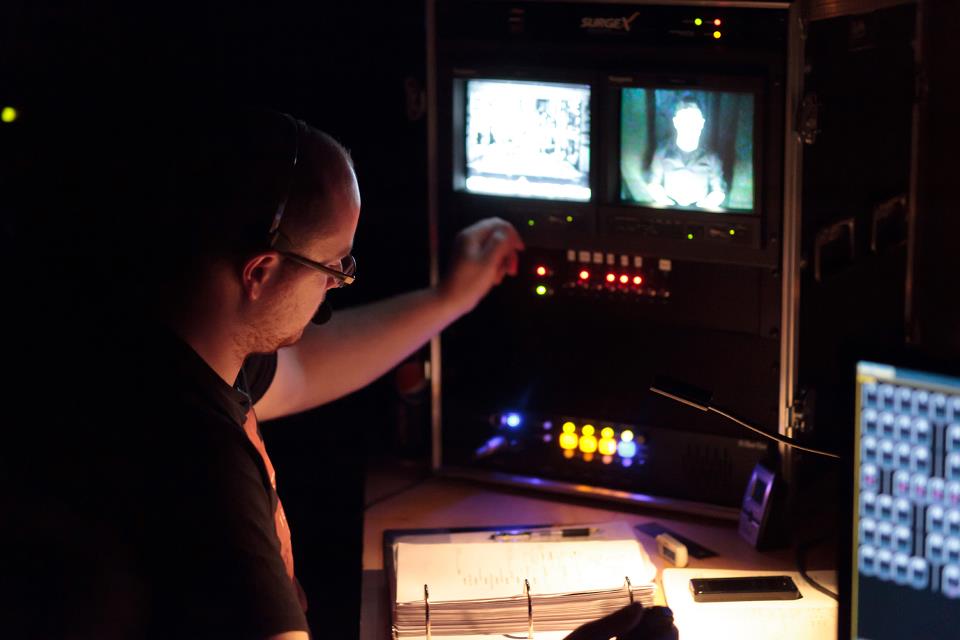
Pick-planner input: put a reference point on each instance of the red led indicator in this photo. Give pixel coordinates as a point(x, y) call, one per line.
point(637, 280)
point(584, 275)
point(611, 277)
point(541, 271)
point(624, 279)
point(717, 22)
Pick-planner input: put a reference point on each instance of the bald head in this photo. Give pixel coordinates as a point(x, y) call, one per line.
point(323, 189)
point(212, 186)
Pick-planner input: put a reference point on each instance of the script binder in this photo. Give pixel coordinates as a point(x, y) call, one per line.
point(512, 580)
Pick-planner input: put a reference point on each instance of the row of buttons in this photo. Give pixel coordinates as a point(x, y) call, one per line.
point(892, 455)
point(885, 535)
point(612, 260)
point(907, 571)
point(884, 507)
point(913, 401)
point(906, 428)
point(940, 520)
point(941, 550)
point(917, 487)
point(900, 511)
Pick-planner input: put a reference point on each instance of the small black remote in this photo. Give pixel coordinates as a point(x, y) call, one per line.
point(745, 588)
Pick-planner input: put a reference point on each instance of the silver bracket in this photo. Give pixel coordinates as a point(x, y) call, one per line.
point(796, 418)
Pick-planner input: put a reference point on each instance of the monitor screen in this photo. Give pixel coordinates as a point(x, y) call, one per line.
point(528, 139)
point(685, 149)
point(906, 549)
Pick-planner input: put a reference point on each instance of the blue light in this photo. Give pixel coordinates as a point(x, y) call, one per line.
point(627, 449)
point(512, 420)
point(490, 446)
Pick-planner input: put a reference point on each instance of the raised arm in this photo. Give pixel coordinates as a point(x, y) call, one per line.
point(360, 344)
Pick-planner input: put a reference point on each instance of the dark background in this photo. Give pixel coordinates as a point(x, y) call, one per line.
point(85, 81)
point(83, 78)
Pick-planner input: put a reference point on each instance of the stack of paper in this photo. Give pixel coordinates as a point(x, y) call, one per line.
point(481, 588)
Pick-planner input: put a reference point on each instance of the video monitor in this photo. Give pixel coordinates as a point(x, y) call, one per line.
point(528, 139)
point(687, 149)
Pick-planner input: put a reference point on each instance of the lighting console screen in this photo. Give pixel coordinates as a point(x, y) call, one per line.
point(528, 139)
point(692, 150)
point(907, 511)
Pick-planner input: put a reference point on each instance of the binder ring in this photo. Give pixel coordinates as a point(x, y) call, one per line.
point(629, 587)
point(426, 611)
point(526, 588)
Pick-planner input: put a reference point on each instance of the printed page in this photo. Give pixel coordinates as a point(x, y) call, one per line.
point(498, 569)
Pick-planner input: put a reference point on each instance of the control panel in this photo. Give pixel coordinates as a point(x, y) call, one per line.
point(583, 439)
point(599, 274)
point(624, 456)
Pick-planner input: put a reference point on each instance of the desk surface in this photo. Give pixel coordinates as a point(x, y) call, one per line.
point(439, 502)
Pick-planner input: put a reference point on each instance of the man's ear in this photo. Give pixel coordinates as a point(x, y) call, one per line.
point(260, 271)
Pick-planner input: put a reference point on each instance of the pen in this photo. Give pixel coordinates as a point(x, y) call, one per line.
point(570, 532)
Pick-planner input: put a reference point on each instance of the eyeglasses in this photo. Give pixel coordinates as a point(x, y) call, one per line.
point(348, 265)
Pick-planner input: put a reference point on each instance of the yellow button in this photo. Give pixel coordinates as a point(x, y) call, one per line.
point(588, 444)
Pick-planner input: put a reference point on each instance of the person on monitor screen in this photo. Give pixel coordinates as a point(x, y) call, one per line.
point(155, 511)
point(683, 172)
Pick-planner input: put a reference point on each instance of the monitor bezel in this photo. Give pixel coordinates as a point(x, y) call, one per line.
point(459, 81)
point(752, 85)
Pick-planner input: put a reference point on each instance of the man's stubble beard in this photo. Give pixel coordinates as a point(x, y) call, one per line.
point(291, 340)
point(270, 338)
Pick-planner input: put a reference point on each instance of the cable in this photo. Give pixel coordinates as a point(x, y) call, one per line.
point(802, 570)
point(704, 406)
point(790, 442)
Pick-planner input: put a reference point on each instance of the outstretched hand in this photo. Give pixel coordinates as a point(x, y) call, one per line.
point(633, 622)
point(483, 254)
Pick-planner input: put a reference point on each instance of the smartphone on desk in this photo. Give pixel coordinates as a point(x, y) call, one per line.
point(744, 588)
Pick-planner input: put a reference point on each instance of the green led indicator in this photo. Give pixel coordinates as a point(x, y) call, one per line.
point(541, 290)
point(8, 114)
point(689, 236)
point(733, 232)
point(569, 218)
point(531, 222)
point(698, 22)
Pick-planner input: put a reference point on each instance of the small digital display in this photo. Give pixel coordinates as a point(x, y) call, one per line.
point(759, 489)
point(691, 150)
point(528, 139)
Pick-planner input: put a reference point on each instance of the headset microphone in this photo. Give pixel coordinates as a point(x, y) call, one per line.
point(323, 314)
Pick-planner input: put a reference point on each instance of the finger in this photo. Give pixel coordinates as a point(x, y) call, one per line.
point(657, 623)
point(503, 258)
point(483, 229)
point(480, 237)
point(615, 624)
point(489, 225)
point(476, 236)
point(514, 263)
point(514, 236)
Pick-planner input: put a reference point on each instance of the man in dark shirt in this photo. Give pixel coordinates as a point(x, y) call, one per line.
point(179, 529)
point(255, 292)
point(683, 171)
